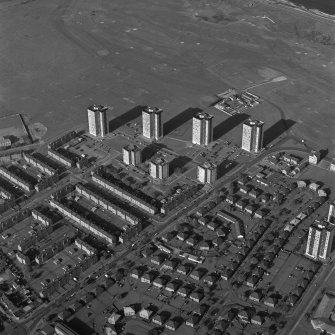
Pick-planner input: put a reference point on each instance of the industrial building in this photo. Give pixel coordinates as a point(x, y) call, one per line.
point(207, 173)
point(320, 240)
point(152, 123)
point(202, 129)
point(131, 155)
point(97, 120)
point(252, 136)
point(159, 168)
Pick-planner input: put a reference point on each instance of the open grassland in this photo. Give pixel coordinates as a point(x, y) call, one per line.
point(58, 57)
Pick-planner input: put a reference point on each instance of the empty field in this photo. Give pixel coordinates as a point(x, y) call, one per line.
point(175, 55)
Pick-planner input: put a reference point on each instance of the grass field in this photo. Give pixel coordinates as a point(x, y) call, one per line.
point(11, 127)
point(175, 55)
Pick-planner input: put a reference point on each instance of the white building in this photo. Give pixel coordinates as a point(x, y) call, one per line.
point(320, 240)
point(159, 168)
point(331, 213)
point(332, 165)
point(314, 157)
point(152, 128)
point(97, 120)
point(207, 173)
point(252, 136)
point(131, 155)
point(202, 129)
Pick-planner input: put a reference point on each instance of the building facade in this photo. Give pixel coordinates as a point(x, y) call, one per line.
point(320, 240)
point(132, 155)
point(252, 136)
point(159, 168)
point(331, 213)
point(314, 157)
point(202, 129)
point(97, 120)
point(5, 143)
point(36, 162)
point(16, 180)
point(207, 173)
point(111, 186)
point(152, 127)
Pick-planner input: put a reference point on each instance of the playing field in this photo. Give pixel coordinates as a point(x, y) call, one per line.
point(60, 56)
point(11, 127)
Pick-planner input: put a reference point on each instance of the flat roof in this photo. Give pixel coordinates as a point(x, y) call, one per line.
point(208, 165)
point(159, 160)
point(131, 147)
point(97, 108)
point(203, 115)
point(149, 109)
point(251, 122)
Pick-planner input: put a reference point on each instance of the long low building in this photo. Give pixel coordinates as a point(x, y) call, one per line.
point(62, 140)
point(61, 158)
point(13, 178)
point(121, 193)
point(237, 224)
point(4, 194)
point(14, 219)
point(106, 204)
point(226, 216)
point(83, 223)
point(34, 161)
point(38, 216)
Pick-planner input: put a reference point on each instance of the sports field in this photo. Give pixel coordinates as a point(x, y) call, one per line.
point(59, 56)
